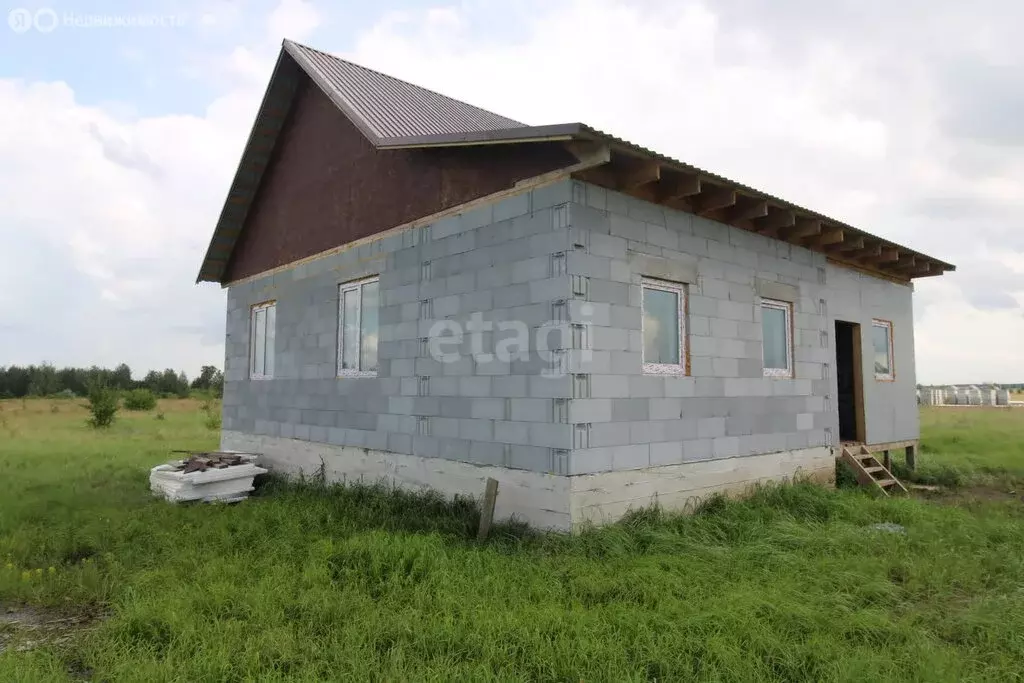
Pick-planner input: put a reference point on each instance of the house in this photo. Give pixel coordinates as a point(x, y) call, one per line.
point(429, 293)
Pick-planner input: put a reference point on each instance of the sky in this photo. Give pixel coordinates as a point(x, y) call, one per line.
point(121, 128)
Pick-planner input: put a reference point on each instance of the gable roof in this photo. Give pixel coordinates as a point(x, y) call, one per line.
point(387, 108)
point(394, 114)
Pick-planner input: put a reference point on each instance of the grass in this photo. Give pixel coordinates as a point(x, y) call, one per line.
point(306, 582)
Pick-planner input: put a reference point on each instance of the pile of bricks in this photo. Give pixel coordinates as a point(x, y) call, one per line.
point(200, 461)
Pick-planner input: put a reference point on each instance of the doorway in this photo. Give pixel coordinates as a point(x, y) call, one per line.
point(849, 381)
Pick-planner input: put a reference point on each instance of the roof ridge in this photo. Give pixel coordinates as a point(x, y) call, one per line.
point(435, 93)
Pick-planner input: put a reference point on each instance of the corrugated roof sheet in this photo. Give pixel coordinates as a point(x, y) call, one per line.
point(392, 108)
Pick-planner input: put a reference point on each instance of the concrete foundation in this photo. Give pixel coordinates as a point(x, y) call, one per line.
point(546, 501)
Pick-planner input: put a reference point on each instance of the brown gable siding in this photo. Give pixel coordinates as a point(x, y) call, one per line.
point(328, 185)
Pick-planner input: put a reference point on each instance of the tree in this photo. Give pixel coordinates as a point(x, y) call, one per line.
point(121, 377)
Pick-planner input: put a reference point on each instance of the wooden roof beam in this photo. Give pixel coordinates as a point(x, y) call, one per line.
point(805, 227)
point(905, 262)
point(888, 255)
point(745, 209)
point(827, 237)
point(712, 199)
point(676, 185)
point(849, 243)
point(634, 178)
point(776, 220)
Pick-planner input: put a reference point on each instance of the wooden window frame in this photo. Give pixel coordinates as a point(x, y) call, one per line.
point(253, 310)
point(790, 370)
point(891, 375)
point(682, 368)
point(355, 285)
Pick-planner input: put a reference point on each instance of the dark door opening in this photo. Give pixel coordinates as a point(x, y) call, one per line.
point(849, 381)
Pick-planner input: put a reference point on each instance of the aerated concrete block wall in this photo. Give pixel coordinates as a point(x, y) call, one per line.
point(726, 407)
point(497, 261)
point(890, 407)
point(573, 254)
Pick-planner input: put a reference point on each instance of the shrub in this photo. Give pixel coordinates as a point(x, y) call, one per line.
point(102, 405)
point(160, 415)
point(212, 410)
point(140, 399)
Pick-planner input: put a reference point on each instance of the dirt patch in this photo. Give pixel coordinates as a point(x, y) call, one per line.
point(27, 628)
point(968, 494)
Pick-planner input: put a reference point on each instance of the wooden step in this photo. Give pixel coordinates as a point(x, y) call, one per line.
point(870, 472)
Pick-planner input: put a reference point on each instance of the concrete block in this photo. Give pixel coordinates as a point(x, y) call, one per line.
point(608, 246)
point(590, 410)
point(725, 447)
point(666, 453)
point(591, 461)
point(710, 427)
point(513, 386)
point(511, 207)
point(665, 408)
point(456, 406)
point(609, 292)
point(487, 453)
point(631, 457)
point(512, 432)
point(533, 458)
point(630, 409)
point(679, 387)
point(609, 386)
point(550, 387)
point(608, 434)
point(475, 386)
point(725, 367)
point(627, 228)
point(647, 431)
point(488, 408)
point(453, 449)
point(530, 409)
point(646, 386)
point(476, 429)
point(550, 435)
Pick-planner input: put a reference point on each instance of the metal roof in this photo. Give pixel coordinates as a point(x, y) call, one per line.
point(395, 114)
point(386, 107)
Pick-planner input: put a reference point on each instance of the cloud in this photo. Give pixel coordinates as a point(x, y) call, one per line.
point(899, 118)
point(895, 118)
point(105, 216)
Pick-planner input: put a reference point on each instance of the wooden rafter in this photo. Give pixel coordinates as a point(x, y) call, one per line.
point(776, 220)
point(745, 209)
point(674, 185)
point(888, 255)
point(868, 254)
point(849, 243)
point(906, 262)
point(804, 228)
point(634, 178)
point(712, 200)
point(827, 237)
point(686, 189)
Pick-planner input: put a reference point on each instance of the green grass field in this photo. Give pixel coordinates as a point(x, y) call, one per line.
point(313, 583)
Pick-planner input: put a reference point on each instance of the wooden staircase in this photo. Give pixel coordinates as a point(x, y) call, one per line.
point(870, 471)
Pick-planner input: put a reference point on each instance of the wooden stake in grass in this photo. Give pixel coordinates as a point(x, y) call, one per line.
point(487, 509)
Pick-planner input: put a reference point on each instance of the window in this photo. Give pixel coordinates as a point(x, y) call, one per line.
point(358, 305)
point(663, 306)
point(881, 340)
point(777, 338)
point(262, 325)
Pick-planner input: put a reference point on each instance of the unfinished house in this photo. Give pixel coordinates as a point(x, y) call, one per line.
point(430, 294)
